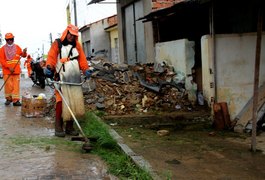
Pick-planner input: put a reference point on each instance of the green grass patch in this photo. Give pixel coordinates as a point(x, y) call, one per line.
point(44, 143)
point(119, 164)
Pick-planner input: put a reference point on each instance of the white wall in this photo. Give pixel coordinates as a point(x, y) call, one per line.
point(235, 59)
point(179, 54)
point(100, 37)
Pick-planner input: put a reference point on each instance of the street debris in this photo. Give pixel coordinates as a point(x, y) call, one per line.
point(120, 89)
point(34, 105)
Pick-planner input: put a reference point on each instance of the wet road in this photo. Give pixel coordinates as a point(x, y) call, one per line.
point(29, 149)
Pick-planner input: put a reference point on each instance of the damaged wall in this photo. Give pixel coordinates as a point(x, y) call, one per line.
point(99, 37)
point(180, 55)
point(235, 57)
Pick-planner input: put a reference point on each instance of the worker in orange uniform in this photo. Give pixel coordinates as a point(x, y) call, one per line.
point(65, 60)
point(28, 64)
point(10, 55)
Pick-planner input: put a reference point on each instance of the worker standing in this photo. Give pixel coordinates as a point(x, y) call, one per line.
point(65, 60)
point(10, 55)
point(27, 64)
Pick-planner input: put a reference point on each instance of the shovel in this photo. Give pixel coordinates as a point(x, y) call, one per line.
point(86, 146)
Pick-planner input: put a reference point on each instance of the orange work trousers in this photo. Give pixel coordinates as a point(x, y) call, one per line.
point(12, 87)
point(29, 70)
point(58, 97)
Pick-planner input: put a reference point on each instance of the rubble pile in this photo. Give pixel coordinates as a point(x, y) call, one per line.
point(122, 89)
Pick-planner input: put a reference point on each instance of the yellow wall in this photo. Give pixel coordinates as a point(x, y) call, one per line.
point(113, 35)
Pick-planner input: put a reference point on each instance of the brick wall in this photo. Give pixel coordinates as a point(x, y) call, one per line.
point(112, 20)
point(160, 4)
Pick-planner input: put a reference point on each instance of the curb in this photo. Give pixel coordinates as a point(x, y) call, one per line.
point(137, 159)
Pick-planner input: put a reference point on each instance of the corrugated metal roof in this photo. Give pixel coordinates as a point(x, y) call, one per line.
point(101, 2)
point(94, 1)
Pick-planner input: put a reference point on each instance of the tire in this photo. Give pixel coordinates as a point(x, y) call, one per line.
point(33, 78)
point(42, 82)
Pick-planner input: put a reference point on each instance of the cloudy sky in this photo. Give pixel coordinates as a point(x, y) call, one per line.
point(100, 11)
point(31, 21)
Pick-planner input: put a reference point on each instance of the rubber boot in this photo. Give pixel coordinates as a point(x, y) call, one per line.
point(8, 101)
point(59, 132)
point(69, 129)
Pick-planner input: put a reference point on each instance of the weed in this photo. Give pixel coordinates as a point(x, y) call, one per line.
point(119, 164)
point(43, 143)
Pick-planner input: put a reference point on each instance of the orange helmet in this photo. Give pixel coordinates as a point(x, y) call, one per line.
point(73, 29)
point(9, 36)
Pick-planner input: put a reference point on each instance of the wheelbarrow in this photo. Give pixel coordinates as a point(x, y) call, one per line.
point(86, 146)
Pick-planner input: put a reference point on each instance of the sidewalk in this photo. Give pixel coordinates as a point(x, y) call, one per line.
point(29, 150)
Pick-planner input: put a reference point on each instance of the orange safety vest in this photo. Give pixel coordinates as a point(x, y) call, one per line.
point(27, 62)
point(54, 52)
point(53, 58)
point(14, 62)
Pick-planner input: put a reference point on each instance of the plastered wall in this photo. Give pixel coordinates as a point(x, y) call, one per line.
point(235, 60)
point(179, 55)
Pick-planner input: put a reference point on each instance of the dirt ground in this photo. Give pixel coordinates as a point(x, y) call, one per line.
point(29, 150)
point(197, 152)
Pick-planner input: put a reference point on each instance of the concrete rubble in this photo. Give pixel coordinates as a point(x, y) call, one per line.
point(124, 89)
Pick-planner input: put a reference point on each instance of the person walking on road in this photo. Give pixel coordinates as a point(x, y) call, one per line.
point(10, 55)
point(65, 60)
point(27, 64)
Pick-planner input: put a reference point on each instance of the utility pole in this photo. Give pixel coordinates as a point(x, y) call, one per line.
point(42, 51)
point(256, 79)
point(51, 38)
point(0, 38)
point(75, 12)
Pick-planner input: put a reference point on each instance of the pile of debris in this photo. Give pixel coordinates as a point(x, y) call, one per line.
point(147, 88)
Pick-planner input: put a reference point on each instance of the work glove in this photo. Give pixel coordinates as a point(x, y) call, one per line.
point(25, 50)
point(48, 72)
point(64, 60)
point(88, 73)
